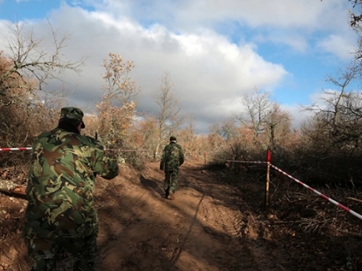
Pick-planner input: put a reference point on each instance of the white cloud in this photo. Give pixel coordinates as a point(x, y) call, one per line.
point(298, 114)
point(209, 70)
point(320, 98)
point(256, 13)
point(341, 46)
point(289, 22)
point(209, 73)
point(297, 42)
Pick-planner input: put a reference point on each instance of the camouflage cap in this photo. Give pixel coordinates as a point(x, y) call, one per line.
point(72, 113)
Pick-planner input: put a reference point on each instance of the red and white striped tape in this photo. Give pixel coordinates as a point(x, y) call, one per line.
point(123, 150)
point(319, 193)
point(247, 162)
point(16, 149)
point(29, 148)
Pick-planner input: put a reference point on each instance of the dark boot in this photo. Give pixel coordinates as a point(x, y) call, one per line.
point(171, 195)
point(167, 192)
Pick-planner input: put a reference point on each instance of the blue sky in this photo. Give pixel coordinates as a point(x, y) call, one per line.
point(214, 51)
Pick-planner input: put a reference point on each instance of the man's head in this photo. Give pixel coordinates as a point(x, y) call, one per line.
point(172, 139)
point(73, 114)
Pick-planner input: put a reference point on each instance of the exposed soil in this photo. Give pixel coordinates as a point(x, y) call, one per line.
point(217, 222)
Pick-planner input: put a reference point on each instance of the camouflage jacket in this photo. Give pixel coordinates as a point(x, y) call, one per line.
point(172, 157)
point(61, 184)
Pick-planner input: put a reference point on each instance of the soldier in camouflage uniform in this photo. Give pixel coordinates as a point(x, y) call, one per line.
point(172, 158)
point(60, 215)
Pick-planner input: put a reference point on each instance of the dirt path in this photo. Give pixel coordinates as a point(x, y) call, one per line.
point(199, 230)
point(210, 226)
point(202, 229)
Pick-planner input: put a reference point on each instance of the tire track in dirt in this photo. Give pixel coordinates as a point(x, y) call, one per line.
point(221, 220)
point(220, 209)
point(200, 230)
point(128, 226)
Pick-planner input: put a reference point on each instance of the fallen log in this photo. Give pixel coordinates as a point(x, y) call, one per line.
point(12, 189)
point(354, 199)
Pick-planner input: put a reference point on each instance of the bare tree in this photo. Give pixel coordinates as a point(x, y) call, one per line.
point(257, 106)
point(331, 141)
point(27, 65)
point(267, 122)
point(278, 126)
point(356, 16)
point(119, 87)
point(342, 81)
point(338, 113)
point(169, 117)
point(33, 62)
point(117, 109)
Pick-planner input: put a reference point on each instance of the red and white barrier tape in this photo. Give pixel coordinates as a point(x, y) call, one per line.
point(319, 193)
point(247, 162)
point(253, 162)
point(16, 149)
point(29, 148)
point(122, 150)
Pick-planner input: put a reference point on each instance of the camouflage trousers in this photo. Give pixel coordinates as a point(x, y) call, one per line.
point(171, 180)
point(45, 253)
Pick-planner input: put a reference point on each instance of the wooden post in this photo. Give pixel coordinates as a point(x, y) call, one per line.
point(268, 159)
point(205, 158)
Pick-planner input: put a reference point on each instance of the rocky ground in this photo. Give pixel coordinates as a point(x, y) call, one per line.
point(217, 222)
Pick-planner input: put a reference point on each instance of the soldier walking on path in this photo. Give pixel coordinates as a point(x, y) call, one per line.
point(171, 160)
point(60, 215)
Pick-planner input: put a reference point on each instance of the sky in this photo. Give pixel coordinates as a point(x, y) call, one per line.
point(214, 51)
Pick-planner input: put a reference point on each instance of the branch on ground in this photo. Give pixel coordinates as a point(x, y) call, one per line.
point(12, 189)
